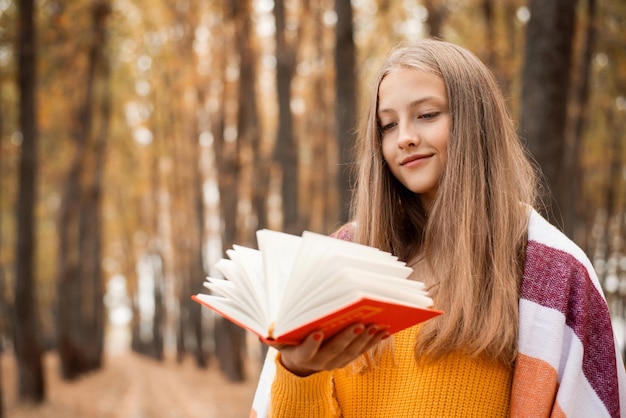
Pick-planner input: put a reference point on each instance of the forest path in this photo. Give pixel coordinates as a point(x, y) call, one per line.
point(132, 386)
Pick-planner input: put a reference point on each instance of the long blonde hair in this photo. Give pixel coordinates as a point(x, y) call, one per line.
point(474, 235)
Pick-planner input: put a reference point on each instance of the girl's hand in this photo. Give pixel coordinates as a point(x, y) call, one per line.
point(315, 354)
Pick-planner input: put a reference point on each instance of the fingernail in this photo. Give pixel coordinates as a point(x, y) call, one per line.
point(373, 330)
point(359, 329)
point(318, 336)
point(385, 336)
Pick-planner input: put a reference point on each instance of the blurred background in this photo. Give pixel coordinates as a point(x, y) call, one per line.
point(139, 140)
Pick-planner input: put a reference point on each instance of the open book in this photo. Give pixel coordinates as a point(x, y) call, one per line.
point(294, 285)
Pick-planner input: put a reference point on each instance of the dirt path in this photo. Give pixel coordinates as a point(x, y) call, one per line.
point(130, 386)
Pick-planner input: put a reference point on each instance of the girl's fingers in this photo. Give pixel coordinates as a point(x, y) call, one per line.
point(302, 359)
point(314, 354)
point(366, 339)
point(341, 341)
point(311, 345)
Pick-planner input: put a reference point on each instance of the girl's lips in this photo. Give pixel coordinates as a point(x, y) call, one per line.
point(413, 158)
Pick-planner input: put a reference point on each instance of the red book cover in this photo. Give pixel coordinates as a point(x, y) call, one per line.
point(391, 316)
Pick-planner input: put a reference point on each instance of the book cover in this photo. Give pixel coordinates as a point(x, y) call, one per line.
point(388, 315)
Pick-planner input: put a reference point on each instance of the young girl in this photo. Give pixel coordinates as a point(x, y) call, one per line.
point(444, 183)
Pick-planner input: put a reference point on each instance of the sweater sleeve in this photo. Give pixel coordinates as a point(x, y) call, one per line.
point(295, 396)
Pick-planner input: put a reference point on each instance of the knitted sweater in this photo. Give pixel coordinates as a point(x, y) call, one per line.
point(457, 386)
point(569, 364)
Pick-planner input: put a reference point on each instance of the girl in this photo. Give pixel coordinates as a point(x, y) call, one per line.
point(444, 183)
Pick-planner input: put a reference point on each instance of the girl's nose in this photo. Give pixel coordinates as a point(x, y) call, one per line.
point(408, 136)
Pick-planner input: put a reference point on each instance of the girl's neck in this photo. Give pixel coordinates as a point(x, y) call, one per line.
point(426, 202)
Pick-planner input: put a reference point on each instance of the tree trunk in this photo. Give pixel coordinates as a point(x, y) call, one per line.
point(545, 86)
point(248, 129)
point(80, 291)
point(158, 261)
point(128, 262)
point(488, 13)
point(158, 322)
point(4, 316)
point(506, 72)
point(96, 323)
point(3, 302)
point(26, 327)
point(198, 272)
point(188, 213)
point(345, 107)
point(573, 213)
point(321, 209)
point(1, 395)
point(437, 13)
point(3, 308)
point(286, 150)
point(612, 229)
point(230, 338)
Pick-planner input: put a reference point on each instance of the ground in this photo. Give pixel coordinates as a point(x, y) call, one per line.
point(132, 386)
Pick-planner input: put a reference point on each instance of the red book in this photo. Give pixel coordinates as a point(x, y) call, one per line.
point(293, 286)
point(391, 316)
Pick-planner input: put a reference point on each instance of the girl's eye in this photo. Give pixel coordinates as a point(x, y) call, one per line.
point(429, 115)
point(384, 128)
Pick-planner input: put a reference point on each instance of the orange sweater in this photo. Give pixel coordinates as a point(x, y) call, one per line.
point(458, 386)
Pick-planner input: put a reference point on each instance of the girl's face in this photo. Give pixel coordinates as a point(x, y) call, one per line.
point(415, 125)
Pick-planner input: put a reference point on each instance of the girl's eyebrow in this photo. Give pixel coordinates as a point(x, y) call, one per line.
point(412, 104)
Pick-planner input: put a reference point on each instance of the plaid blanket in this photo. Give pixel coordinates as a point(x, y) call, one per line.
point(569, 363)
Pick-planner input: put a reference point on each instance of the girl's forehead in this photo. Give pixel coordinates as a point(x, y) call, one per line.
point(394, 70)
point(409, 81)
